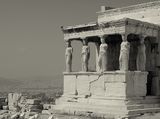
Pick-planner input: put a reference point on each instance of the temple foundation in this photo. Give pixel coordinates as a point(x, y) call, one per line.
point(109, 94)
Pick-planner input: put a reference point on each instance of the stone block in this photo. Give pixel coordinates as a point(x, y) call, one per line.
point(82, 84)
point(140, 81)
point(33, 101)
point(112, 101)
point(2, 99)
point(70, 84)
point(120, 76)
point(35, 110)
point(12, 108)
point(115, 89)
point(46, 112)
point(13, 98)
point(130, 85)
point(97, 85)
point(109, 77)
point(35, 107)
point(5, 107)
point(46, 106)
point(15, 116)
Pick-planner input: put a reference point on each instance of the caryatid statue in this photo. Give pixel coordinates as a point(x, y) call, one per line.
point(68, 56)
point(141, 55)
point(102, 59)
point(85, 55)
point(124, 56)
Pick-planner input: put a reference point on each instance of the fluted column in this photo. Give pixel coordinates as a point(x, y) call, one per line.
point(68, 56)
point(85, 55)
point(102, 60)
point(141, 55)
point(124, 53)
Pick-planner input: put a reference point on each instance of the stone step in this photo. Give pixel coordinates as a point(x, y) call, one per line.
point(107, 113)
point(146, 101)
point(139, 101)
point(81, 106)
point(122, 110)
point(82, 112)
point(142, 111)
point(142, 106)
point(151, 105)
point(91, 101)
point(126, 107)
point(93, 109)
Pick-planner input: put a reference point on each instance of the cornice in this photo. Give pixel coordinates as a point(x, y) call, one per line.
point(110, 24)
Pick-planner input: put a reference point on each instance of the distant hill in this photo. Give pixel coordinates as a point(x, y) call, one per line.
point(38, 83)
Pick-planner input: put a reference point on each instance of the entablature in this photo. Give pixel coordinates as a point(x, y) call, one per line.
point(122, 26)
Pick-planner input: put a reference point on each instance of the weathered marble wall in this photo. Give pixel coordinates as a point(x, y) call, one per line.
point(148, 12)
point(109, 84)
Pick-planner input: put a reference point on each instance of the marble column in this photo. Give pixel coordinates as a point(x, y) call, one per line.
point(85, 55)
point(68, 56)
point(124, 54)
point(102, 60)
point(141, 55)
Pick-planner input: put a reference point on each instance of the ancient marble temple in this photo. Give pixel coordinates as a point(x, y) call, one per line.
point(126, 80)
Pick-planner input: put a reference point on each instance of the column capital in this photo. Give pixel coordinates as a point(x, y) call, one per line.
point(102, 38)
point(68, 43)
point(84, 40)
point(142, 36)
point(67, 39)
point(124, 36)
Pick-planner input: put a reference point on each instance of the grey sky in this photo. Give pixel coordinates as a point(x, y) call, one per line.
point(31, 42)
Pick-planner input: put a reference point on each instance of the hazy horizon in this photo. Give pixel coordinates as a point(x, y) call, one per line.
point(31, 41)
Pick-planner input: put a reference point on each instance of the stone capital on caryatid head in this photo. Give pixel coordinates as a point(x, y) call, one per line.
point(124, 37)
point(141, 54)
point(102, 38)
point(102, 59)
point(68, 56)
point(68, 43)
point(84, 41)
point(142, 37)
point(85, 55)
